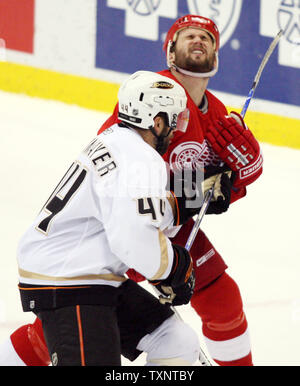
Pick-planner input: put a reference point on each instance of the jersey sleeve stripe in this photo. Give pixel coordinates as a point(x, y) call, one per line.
point(164, 260)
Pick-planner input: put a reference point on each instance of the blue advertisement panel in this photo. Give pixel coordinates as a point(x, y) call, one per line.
point(130, 34)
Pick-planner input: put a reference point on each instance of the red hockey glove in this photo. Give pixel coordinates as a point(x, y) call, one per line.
point(237, 147)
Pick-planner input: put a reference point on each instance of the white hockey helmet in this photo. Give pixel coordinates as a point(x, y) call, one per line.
point(145, 94)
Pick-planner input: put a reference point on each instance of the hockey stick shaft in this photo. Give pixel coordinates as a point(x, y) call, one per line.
point(260, 70)
point(198, 221)
point(202, 356)
point(206, 202)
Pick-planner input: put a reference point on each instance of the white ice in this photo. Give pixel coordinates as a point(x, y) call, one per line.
point(258, 237)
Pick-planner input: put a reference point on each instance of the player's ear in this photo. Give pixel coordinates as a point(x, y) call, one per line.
point(172, 56)
point(158, 124)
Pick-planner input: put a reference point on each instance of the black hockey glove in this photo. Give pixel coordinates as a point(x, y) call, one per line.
point(189, 199)
point(222, 183)
point(178, 287)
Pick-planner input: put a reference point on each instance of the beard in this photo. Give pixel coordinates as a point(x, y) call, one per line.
point(163, 147)
point(162, 143)
point(187, 63)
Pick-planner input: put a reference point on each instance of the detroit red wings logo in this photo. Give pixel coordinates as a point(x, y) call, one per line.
point(192, 155)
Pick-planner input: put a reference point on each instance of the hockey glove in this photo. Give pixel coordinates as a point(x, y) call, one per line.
point(221, 178)
point(234, 143)
point(178, 287)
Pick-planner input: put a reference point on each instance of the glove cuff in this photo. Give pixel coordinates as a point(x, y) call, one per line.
point(249, 173)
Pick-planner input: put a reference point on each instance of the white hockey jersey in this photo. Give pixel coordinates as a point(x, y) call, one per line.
point(106, 215)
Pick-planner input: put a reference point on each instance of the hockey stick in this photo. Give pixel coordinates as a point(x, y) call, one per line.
point(209, 193)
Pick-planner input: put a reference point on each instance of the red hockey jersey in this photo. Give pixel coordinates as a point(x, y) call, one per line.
point(191, 147)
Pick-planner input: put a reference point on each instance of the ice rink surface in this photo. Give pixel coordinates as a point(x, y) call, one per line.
point(258, 237)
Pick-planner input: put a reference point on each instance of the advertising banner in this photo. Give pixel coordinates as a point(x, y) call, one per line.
point(130, 34)
point(80, 51)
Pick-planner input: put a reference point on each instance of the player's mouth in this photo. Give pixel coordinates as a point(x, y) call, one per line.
point(198, 51)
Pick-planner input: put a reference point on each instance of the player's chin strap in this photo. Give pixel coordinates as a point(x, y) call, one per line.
point(208, 74)
point(197, 74)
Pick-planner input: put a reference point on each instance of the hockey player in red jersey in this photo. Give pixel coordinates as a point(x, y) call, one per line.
point(212, 137)
point(191, 47)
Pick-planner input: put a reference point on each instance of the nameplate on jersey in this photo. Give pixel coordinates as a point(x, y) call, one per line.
point(100, 157)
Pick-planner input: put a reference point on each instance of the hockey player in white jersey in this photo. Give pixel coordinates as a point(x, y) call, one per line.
point(108, 214)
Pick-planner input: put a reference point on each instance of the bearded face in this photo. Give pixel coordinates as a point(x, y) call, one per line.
point(166, 135)
point(194, 51)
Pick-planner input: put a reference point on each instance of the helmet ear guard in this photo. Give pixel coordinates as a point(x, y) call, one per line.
point(145, 94)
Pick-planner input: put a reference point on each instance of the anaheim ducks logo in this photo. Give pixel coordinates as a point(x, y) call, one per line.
point(162, 84)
